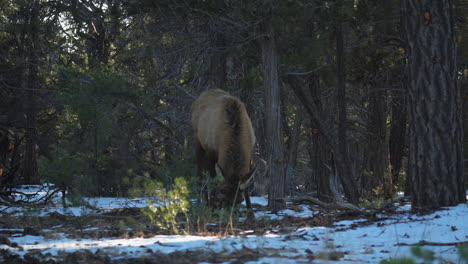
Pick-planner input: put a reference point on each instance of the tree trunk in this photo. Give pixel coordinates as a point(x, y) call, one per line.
point(323, 168)
point(464, 89)
point(397, 139)
point(398, 127)
point(345, 171)
point(378, 143)
point(436, 136)
point(29, 172)
point(255, 107)
point(274, 145)
point(293, 145)
point(218, 59)
point(322, 145)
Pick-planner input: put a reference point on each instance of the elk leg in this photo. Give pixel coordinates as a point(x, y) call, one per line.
point(247, 200)
point(202, 165)
point(206, 161)
point(250, 214)
point(200, 156)
point(210, 161)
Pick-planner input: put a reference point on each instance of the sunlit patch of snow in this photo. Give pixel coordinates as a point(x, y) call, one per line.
point(269, 260)
point(404, 208)
point(11, 230)
point(34, 193)
point(302, 211)
point(107, 203)
point(260, 200)
point(348, 223)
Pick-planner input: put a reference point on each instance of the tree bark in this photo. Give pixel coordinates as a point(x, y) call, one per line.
point(293, 145)
point(322, 145)
point(218, 59)
point(436, 136)
point(255, 108)
point(29, 172)
point(274, 144)
point(397, 139)
point(345, 172)
point(323, 168)
point(378, 143)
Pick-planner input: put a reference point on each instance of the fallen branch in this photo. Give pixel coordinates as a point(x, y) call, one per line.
point(428, 243)
point(336, 205)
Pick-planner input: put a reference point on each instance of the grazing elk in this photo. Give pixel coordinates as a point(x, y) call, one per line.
point(224, 142)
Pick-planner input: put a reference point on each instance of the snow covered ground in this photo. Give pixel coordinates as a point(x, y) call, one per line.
point(350, 241)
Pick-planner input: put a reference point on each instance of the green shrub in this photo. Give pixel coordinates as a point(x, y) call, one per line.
point(399, 261)
point(426, 255)
point(463, 252)
point(422, 255)
point(166, 204)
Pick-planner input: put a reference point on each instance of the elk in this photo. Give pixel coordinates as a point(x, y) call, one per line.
point(224, 142)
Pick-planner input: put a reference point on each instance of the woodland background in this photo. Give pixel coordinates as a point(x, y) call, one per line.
point(95, 95)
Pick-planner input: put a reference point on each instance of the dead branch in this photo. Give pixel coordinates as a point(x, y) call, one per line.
point(428, 243)
point(336, 205)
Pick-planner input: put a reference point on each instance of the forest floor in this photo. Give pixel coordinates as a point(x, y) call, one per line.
point(114, 230)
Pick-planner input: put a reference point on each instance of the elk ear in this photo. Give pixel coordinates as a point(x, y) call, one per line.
point(219, 171)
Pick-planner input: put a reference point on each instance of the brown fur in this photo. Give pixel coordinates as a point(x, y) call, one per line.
point(223, 135)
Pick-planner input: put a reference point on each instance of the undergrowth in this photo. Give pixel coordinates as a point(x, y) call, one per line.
point(423, 255)
point(181, 205)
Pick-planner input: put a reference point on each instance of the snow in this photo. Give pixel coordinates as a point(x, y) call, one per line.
point(55, 206)
point(302, 211)
point(113, 203)
point(358, 240)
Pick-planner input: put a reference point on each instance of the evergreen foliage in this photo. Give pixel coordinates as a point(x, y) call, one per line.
point(99, 92)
